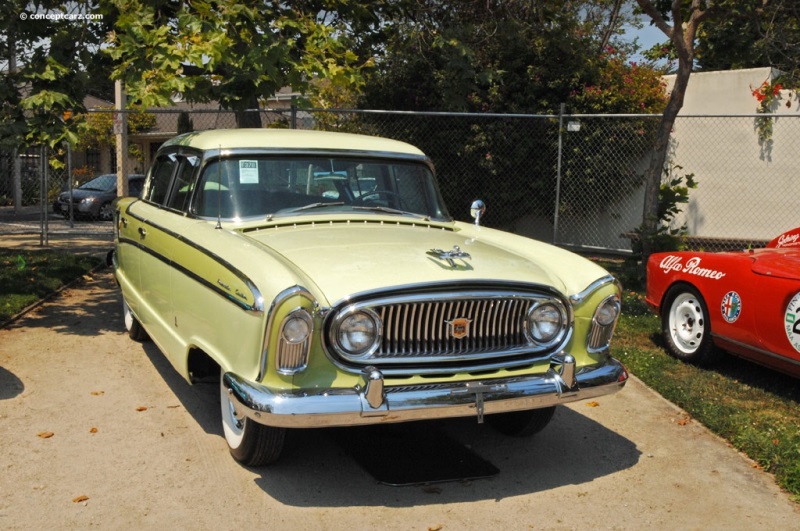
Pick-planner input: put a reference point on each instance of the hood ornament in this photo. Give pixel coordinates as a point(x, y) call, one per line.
point(449, 256)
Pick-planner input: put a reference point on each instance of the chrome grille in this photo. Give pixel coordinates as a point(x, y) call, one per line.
point(429, 328)
point(471, 330)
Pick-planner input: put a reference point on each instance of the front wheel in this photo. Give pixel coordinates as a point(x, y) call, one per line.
point(250, 443)
point(106, 212)
point(686, 327)
point(521, 423)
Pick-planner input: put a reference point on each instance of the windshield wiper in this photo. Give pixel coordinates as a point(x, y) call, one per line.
point(387, 210)
point(315, 205)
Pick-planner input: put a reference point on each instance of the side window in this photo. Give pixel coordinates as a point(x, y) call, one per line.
point(160, 176)
point(184, 184)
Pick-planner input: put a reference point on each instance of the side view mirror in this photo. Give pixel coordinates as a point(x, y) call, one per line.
point(476, 210)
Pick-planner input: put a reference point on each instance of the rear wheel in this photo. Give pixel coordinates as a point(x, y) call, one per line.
point(686, 327)
point(250, 443)
point(132, 325)
point(521, 423)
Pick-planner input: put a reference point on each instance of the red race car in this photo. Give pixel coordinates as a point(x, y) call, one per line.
point(747, 303)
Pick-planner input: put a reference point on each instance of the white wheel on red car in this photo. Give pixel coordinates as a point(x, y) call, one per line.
point(250, 443)
point(686, 327)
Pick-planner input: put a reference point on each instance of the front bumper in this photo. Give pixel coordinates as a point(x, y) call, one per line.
point(373, 403)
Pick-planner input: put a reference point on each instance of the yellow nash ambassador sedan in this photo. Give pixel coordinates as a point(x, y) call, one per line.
point(321, 278)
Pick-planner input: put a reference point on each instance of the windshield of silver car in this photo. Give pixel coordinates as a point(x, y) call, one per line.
point(252, 186)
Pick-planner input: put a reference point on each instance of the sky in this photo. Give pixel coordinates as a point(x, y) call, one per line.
point(648, 36)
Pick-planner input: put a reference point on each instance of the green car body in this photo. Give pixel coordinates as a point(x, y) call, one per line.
point(322, 276)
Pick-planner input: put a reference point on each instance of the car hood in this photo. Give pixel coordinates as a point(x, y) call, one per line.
point(359, 256)
point(778, 263)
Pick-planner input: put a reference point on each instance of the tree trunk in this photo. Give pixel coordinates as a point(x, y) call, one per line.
point(659, 157)
point(247, 114)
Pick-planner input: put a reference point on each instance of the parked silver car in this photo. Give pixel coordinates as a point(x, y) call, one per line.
point(94, 199)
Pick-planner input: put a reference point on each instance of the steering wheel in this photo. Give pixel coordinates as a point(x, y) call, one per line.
point(386, 193)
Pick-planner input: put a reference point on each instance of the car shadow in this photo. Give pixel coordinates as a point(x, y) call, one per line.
point(10, 384)
point(749, 373)
point(316, 463)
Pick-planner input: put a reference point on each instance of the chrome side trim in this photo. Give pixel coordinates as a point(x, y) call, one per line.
point(578, 298)
point(258, 299)
point(373, 402)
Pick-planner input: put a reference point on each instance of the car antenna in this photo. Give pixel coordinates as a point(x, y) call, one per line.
point(219, 191)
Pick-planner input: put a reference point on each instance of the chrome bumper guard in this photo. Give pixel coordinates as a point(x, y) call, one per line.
point(374, 403)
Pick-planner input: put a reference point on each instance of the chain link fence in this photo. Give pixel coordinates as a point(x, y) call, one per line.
point(573, 180)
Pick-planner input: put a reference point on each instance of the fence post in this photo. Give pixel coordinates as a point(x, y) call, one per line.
point(17, 180)
point(43, 184)
point(69, 184)
point(294, 112)
point(558, 171)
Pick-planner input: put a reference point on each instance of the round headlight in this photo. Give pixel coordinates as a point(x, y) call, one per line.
point(296, 330)
point(358, 333)
point(545, 322)
point(607, 312)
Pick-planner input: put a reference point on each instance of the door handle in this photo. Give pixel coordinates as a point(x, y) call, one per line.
point(142, 232)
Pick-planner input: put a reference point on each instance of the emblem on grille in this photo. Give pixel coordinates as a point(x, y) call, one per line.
point(458, 328)
point(449, 256)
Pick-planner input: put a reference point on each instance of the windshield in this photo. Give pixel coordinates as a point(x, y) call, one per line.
point(104, 183)
point(263, 186)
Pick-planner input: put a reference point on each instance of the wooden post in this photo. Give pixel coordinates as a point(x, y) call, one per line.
point(121, 136)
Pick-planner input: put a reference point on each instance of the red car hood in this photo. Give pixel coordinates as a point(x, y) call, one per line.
point(780, 263)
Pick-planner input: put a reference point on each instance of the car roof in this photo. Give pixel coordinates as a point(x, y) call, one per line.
point(290, 139)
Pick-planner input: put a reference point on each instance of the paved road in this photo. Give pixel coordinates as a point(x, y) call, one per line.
point(133, 446)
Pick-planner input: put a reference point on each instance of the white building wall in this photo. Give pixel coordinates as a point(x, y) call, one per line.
point(744, 187)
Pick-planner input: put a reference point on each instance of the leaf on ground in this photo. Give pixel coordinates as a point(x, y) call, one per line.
point(93, 430)
point(98, 393)
point(79, 499)
point(593, 404)
point(141, 408)
point(46, 434)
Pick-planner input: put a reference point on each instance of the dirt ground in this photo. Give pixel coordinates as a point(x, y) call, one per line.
point(99, 431)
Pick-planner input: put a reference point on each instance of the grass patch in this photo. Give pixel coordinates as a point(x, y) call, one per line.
point(754, 408)
point(28, 276)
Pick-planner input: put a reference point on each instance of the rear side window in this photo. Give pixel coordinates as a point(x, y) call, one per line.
point(184, 184)
point(160, 176)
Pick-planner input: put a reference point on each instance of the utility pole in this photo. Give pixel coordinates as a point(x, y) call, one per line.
point(121, 136)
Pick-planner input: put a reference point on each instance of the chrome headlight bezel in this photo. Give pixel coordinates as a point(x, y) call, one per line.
point(356, 332)
point(547, 323)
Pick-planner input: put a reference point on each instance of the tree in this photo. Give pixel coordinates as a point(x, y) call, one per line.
point(511, 56)
point(48, 48)
point(234, 53)
point(686, 21)
point(754, 33)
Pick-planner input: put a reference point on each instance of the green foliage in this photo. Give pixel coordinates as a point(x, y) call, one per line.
point(97, 127)
point(673, 194)
point(54, 60)
point(233, 53)
point(514, 57)
point(752, 34)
